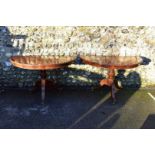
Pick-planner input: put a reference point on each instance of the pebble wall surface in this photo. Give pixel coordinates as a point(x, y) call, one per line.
point(81, 40)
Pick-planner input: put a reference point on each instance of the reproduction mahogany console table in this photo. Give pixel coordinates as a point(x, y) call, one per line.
point(112, 63)
point(41, 63)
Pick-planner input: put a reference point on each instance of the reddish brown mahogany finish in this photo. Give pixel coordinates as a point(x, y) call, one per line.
point(41, 63)
point(112, 63)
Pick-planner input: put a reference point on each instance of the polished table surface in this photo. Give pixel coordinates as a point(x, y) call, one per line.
point(113, 62)
point(41, 62)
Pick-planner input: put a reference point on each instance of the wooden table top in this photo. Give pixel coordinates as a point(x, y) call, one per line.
point(41, 62)
point(113, 62)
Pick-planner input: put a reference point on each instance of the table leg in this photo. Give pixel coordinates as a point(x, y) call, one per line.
point(43, 85)
point(110, 81)
point(111, 77)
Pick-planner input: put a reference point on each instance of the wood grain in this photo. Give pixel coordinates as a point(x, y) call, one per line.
point(41, 62)
point(113, 62)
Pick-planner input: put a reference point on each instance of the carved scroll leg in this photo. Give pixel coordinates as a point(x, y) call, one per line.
point(106, 82)
point(43, 85)
point(110, 81)
point(111, 77)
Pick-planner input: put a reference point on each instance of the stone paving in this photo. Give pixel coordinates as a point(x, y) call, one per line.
point(77, 109)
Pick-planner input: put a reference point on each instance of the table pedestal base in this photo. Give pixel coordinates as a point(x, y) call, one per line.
point(44, 84)
point(111, 82)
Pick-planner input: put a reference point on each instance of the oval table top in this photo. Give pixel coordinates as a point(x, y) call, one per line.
point(41, 62)
point(113, 62)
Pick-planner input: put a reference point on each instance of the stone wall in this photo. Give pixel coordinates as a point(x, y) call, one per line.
point(43, 40)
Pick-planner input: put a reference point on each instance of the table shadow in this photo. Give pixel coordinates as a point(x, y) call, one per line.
point(76, 78)
point(10, 45)
point(149, 122)
point(7, 41)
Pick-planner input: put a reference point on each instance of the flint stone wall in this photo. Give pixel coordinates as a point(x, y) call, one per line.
point(59, 41)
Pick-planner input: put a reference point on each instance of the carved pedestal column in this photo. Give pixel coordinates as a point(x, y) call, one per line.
point(110, 81)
